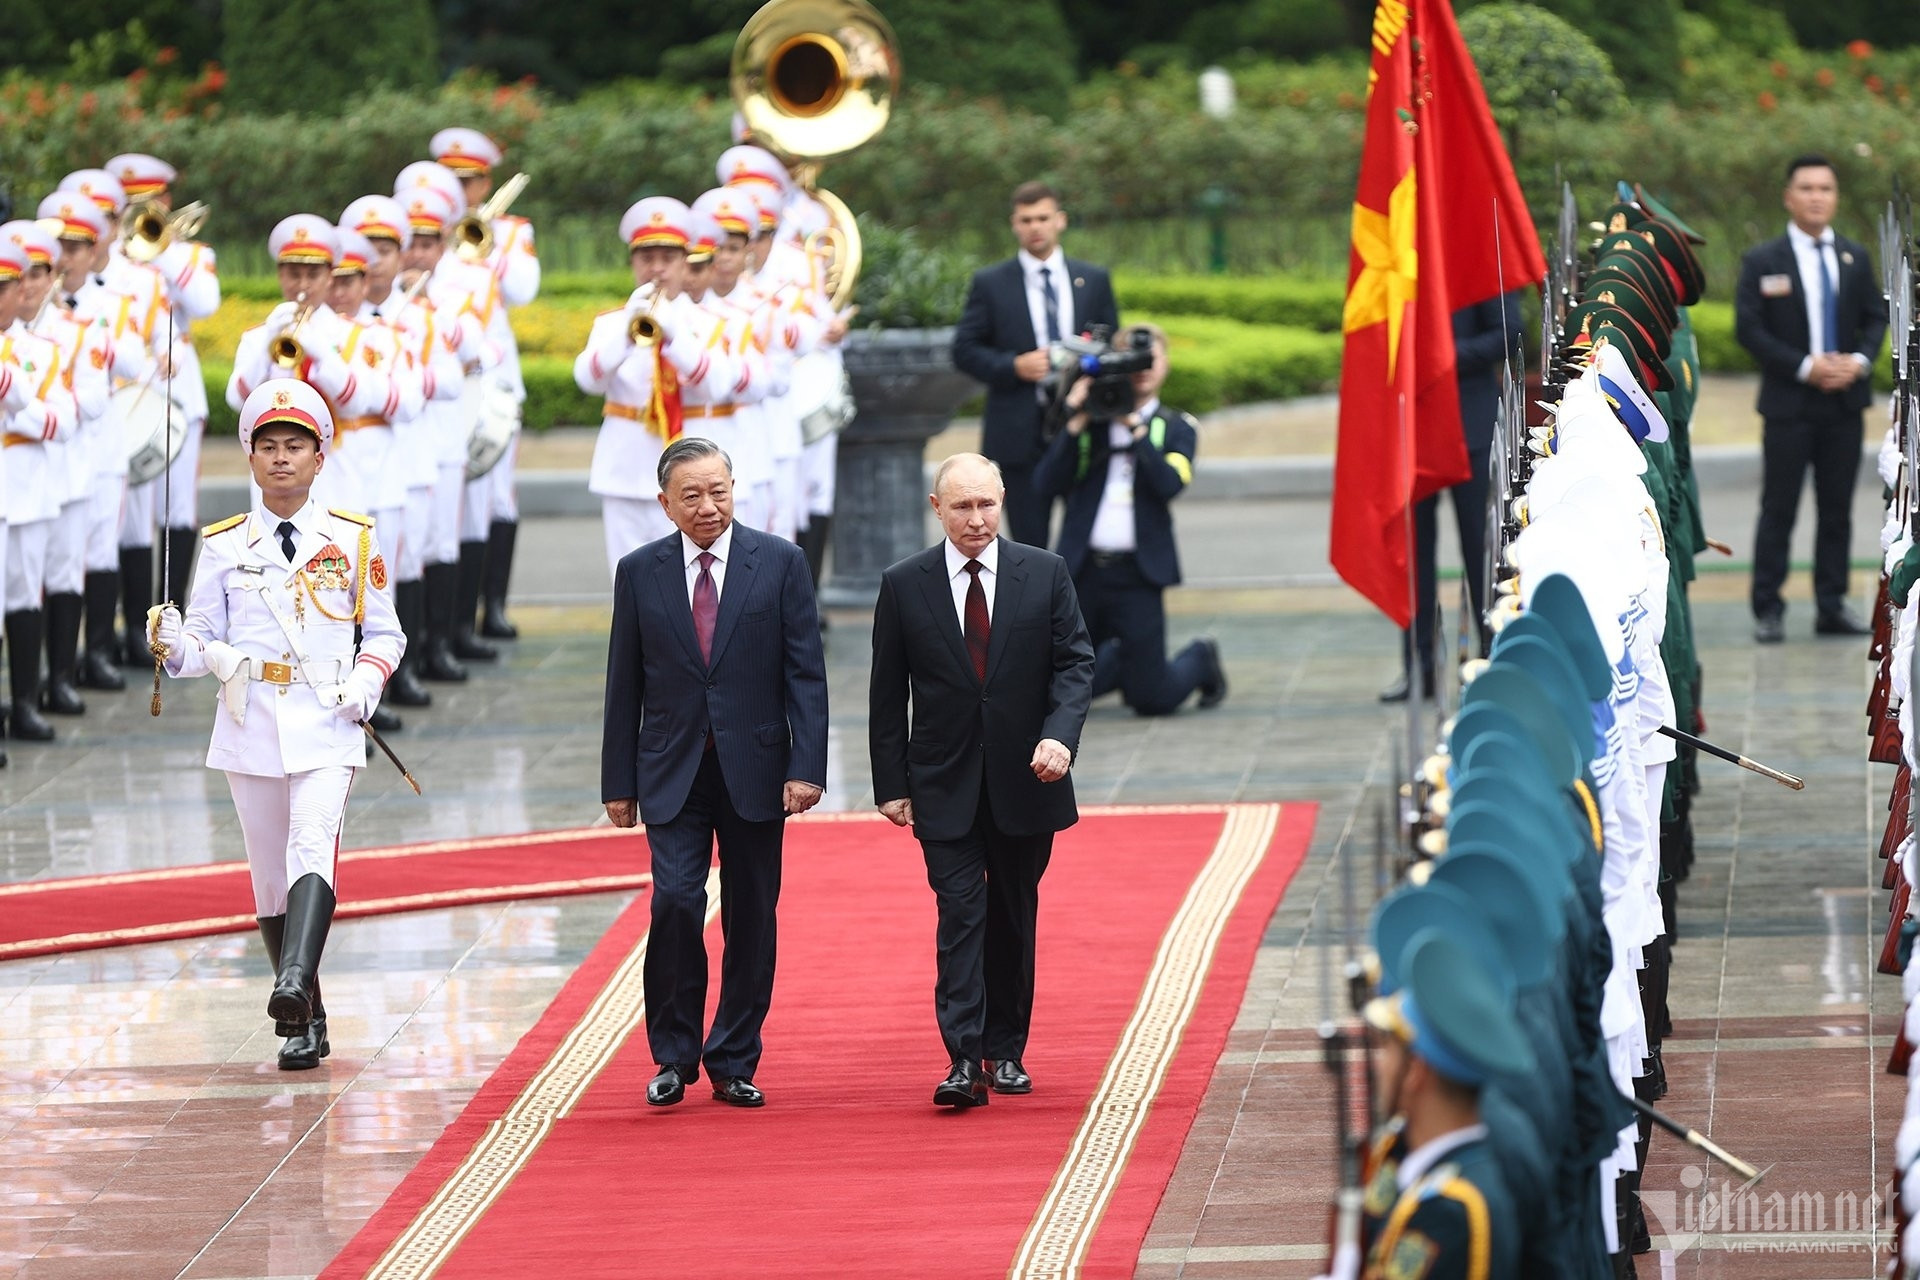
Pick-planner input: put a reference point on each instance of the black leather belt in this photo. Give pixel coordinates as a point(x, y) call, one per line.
point(1109, 559)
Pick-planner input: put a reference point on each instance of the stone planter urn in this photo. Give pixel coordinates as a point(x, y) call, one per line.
point(906, 389)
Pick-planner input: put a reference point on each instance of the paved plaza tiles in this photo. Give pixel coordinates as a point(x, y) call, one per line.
point(144, 1131)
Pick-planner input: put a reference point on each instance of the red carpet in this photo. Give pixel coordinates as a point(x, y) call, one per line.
point(40, 916)
point(1149, 921)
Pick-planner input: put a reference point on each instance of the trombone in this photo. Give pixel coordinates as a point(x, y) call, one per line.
point(147, 230)
point(285, 349)
point(473, 234)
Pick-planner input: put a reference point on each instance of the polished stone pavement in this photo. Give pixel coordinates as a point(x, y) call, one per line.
point(145, 1132)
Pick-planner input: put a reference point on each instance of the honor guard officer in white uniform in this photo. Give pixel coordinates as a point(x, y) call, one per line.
point(641, 357)
point(490, 518)
point(434, 201)
point(726, 414)
point(144, 292)
point(86, 354)
point(100, 447)
point(278, 596)
point(39, 408)
point(424, 335)
point(192, 281)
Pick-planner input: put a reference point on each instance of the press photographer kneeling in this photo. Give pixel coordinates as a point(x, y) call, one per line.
point(1120, 458)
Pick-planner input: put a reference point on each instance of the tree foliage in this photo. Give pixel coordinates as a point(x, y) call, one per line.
point(286, 55)
point(1535, 65)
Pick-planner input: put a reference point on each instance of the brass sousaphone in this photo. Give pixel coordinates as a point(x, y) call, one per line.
point(813, 79)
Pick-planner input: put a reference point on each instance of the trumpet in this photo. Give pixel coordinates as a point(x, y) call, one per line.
point(473, 234)
point(147, 230)
point(285, 349)
point(643, 329)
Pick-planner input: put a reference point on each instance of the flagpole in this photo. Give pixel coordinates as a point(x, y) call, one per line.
point(1416, 684)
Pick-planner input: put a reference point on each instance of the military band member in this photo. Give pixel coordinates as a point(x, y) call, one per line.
point(86, 353)
point(727, 414)
point(190, 274)
point(642, 357)
point(424, 335)
point(142, 285)
point(490, 518)
point(84, 231)
point(39, 409)
point(290, 613)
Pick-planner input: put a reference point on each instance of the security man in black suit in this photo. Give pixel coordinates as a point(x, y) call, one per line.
point(1483, 334)
point(984, 638)
point(1120, 478)
point(1015, 311)
point(1808, 308)
point(716, 730)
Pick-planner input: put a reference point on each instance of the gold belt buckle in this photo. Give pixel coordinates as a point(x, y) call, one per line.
point(276, 673)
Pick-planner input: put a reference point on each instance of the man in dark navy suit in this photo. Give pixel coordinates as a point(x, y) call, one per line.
point(716, 729)
point(983, 637)
point(1483, 336)
point(1015, 311)
point(1120, 478)
point(1808, 307)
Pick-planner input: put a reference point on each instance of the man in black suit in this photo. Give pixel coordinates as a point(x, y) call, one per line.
point(1120, 478)
point(1015, 311)
point(1808, 307)
point(716, 728)
point(984, 637)
point(1483, 335)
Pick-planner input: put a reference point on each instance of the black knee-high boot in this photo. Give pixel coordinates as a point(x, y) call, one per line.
point(64, 612)
point(24, 630)
point(813, 541)
point(102, 596)
point(405, 689)
point(438, 662)
point(309, 916)
point(136, 597)
point(466, 603)
point(306, 1043)
point(499, 569)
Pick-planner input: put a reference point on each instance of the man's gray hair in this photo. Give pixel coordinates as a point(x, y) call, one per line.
point(688, 449)
point(960, 459)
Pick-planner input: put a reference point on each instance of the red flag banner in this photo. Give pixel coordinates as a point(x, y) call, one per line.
point(1431, 146)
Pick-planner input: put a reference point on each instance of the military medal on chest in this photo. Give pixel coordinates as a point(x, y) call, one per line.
point(327, 571)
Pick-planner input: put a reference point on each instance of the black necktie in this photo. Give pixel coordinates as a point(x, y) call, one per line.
point(978, 627)
point(1052, 301)
point(286, 532)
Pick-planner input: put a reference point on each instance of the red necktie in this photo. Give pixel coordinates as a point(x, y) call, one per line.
point(978, 626)
point(706, 606)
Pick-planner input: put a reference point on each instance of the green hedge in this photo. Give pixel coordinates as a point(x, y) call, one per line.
point(1300, 302)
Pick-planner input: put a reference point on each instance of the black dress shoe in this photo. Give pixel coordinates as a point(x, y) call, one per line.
point(964, 1086)
point(1214, 691)
point(1769, 630)
point(1840, 622)
point(1008, 1076)
point(738, 1091)
point(666, 1088)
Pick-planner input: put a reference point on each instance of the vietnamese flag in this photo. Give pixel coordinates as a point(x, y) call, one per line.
point(1432, 170)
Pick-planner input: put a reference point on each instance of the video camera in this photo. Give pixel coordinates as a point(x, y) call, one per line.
point(1111, 367)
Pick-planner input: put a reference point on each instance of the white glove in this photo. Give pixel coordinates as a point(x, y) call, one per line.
point(30, 421)
point(358, 694)
point(163, 628)
point(329, 373)
point(282, 316)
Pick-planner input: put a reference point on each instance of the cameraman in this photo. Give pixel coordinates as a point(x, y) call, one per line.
point(1118, 476)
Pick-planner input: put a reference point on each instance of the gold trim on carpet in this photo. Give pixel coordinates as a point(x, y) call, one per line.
point(1062, 1230)
point(509, 1142)
point(350, 911)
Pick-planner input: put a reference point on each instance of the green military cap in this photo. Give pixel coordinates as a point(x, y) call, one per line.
point(1621, 299)
point(1537, 826)
point(1631, 341)
point(1406, 911)
point(1501, 893)
point(1559, 603)
point(1644, 274)
point(1544, 660)
point(1538, 726)
point(1622, 215)
point(1655, 209)
point(1452, 1014)
point(1501, 749)
point(1556, 762)
point(1634, 243)
point(1682, 265)
point(1636, 340)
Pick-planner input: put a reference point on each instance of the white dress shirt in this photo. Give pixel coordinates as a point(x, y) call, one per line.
point(958, 578)
point(1811, 257)
point(1113, 523)
point(690, 552)
point(1056, 266)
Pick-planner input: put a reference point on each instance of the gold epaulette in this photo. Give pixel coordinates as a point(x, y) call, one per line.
point(221, 526)
point(354, 516)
